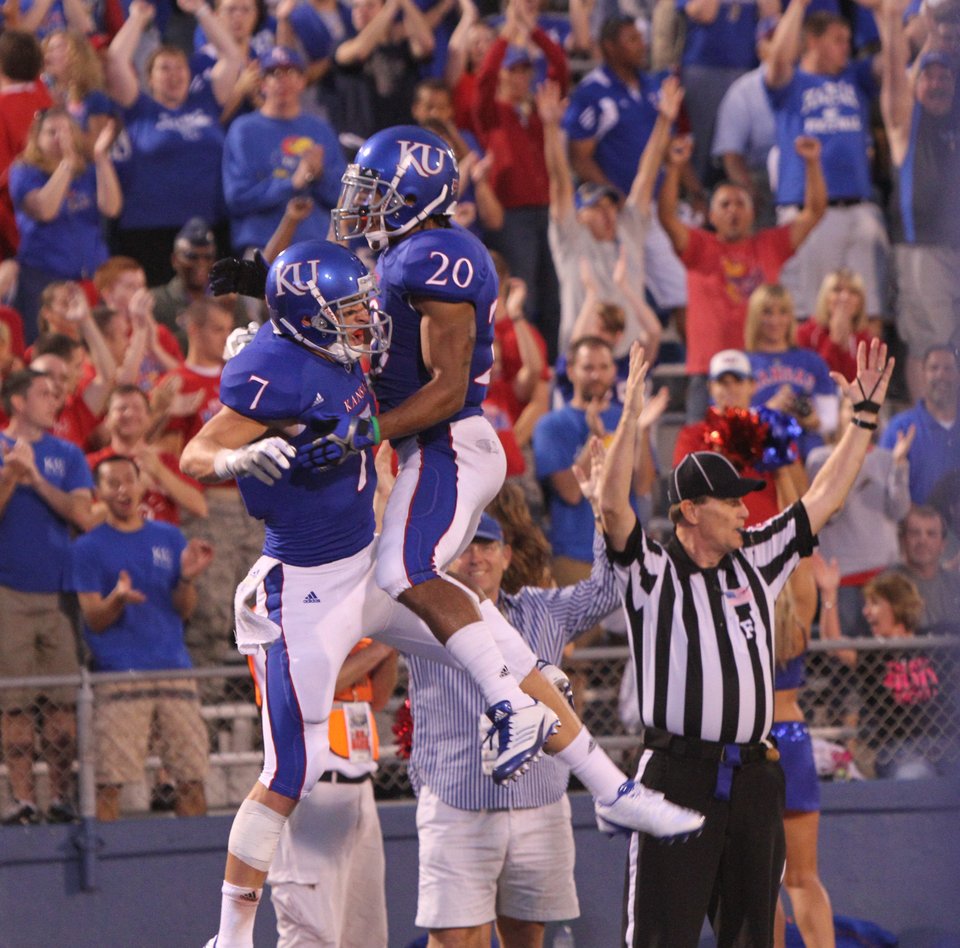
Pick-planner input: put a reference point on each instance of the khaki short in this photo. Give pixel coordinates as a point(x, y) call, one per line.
point(478, 864)
point(36, 638)
point(124, 714)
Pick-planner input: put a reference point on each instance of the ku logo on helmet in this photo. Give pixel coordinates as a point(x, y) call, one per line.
point(426, 160)
point(289, 278)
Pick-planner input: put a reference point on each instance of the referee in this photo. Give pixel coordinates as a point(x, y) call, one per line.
point(700, 609)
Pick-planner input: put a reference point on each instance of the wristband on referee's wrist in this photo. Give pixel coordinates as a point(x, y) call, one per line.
point(866, 425)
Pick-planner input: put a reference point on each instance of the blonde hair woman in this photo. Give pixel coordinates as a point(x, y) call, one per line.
point(839, 322)
point(74, 75)
point(789, 379)
point(60, 193)
point(793, 617)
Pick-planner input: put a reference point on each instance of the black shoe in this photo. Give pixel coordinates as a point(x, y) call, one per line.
point(21, 814)
point(163, 798)
point(62, 812)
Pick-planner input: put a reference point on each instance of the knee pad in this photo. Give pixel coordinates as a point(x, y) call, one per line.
point(255, 834)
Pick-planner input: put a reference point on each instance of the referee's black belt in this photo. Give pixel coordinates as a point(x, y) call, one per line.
point(727, 756)
point(835, 202)
point(333, 776)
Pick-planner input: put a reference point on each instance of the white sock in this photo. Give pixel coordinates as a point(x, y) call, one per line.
point(238, 912)
point(474, 648)
point(592, 767)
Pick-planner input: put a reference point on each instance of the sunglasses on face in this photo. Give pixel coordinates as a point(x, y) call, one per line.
point(193, 256)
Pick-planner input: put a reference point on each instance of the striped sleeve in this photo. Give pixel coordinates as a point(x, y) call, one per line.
point(579, 607)
point(775, 547)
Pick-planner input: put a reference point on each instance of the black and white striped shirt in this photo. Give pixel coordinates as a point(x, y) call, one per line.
point(702, 639)
point(446, 704)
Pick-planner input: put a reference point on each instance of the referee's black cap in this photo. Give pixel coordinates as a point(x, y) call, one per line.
point(708, 474)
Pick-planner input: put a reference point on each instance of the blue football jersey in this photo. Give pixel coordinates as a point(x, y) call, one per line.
point(311, 517)
point(447, 264)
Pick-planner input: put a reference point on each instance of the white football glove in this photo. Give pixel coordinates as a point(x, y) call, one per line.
point(239, 339)
point(265, 460)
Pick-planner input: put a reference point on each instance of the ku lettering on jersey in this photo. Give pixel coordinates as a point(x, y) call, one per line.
point(285, 386)
point(450, 265)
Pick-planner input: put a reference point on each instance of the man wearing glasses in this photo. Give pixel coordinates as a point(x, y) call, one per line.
point(194, 251)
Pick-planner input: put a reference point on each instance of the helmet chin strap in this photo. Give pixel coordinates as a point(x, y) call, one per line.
point(378, 240)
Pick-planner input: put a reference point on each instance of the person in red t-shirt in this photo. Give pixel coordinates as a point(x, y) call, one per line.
point(84, 372)
point(839, 322)
point(510, 129)
point(237, 537)
point(22, 95)
point(731, 385)
point(121, 282)
point(725, 267)
point(167, 489)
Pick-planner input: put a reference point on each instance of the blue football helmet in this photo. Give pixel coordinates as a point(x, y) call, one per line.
point(323, 296)
point(400, 176)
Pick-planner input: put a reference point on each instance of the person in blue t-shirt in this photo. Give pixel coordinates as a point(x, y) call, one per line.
point(134, 579)
point(170, 151)
point(921, 116)
point(608, 122)
point(935, 452)
point(720, 46)
point(60, 198)
point(790, 379)
point(44, 493)
point(254, 34)
point(827, 96)
point(561, 443)
point(278, 153)
point(73, 73)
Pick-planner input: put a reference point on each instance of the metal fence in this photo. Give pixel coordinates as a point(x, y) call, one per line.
point(898, 701)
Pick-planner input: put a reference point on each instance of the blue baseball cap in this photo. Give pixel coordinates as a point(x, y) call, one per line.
point(488, 529)
point(516, 56)
point(938, 59)
point(590, 193)
point(281, 57)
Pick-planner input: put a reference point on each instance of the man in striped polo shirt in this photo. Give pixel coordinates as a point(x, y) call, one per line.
point(505, 853)
point(700, 609)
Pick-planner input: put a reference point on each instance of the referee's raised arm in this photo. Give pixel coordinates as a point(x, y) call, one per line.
point(866, 392)
point(616, 514)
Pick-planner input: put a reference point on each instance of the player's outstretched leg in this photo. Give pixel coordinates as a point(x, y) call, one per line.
point(622, 805)
point(253, 842)
point(522, 723)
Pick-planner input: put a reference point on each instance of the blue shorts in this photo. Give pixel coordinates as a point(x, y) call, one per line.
point(796, 759)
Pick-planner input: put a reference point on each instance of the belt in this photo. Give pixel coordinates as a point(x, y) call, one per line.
point(727, 756)
point(333, 776)
point(836, 202)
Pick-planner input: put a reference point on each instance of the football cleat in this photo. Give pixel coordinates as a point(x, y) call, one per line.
point(522, 734)
point(638, 809)
point(21, 814)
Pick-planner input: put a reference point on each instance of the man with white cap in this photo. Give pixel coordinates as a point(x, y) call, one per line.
point(730, 385)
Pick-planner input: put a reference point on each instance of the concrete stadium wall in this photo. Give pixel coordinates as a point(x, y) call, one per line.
point(890, 853)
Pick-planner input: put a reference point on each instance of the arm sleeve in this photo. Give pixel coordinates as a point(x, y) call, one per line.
point(245, 190)
point(326, 191)
point(579, 607)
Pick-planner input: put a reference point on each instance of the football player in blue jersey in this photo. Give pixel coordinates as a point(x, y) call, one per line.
point(439, 285)
point(314, 586)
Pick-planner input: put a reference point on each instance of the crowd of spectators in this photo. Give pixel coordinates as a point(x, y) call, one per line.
point(618, 165)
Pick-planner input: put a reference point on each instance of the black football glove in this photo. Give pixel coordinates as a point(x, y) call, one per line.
point(246, 277)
